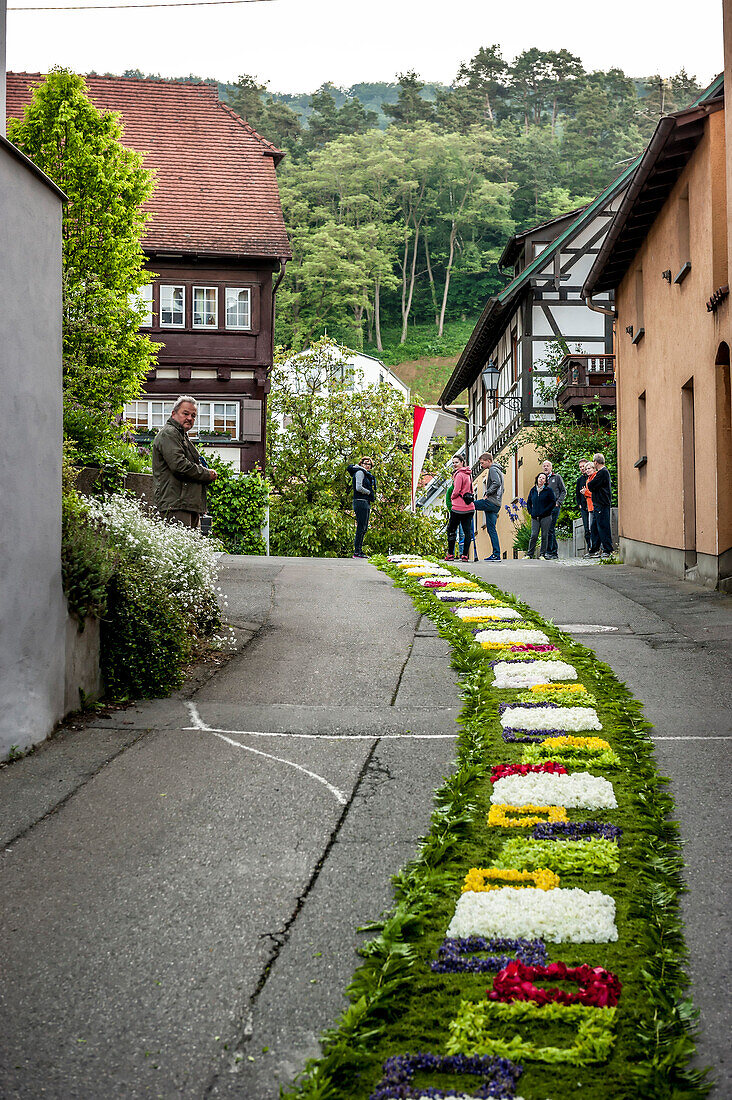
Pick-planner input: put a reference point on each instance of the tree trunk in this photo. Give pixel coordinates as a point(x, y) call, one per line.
point(377, 314)
point(407, 308)
point(431, 278)
point(450, 258)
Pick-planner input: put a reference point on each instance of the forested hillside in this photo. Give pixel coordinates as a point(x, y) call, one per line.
point(400, 197)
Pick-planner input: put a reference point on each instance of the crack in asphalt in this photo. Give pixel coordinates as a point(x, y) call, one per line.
point(281, 936)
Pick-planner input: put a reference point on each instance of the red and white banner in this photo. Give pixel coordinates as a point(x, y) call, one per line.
point(424, 426)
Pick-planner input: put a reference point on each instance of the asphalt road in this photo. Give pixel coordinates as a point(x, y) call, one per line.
point(182, 882)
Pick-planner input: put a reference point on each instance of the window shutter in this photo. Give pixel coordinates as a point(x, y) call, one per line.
point(251, 421)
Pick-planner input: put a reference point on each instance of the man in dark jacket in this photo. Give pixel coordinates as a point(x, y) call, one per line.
point(581, 499)
point(180, 475)
point(557, 486)
point(490, 502)
point(601, 488)
point(364, 495)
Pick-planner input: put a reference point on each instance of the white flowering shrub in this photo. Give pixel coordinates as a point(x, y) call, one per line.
point(161, 598)
point(182, 561)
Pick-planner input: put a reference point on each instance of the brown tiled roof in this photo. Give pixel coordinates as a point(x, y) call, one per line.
point(216, 188)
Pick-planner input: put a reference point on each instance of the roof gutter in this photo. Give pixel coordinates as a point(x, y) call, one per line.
point(642, 172)
point(599, 309)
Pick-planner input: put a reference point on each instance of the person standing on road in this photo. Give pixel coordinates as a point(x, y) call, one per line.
point(180, 474)
point(540, 506)
point(557, 486)
point(581, 499)
point(490, 502)
point(462, 508)
point(601, 487)
point(364, 495)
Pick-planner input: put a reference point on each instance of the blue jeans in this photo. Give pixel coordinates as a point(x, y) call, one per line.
point(362, 508)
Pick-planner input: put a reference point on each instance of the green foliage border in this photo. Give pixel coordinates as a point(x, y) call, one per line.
point(658, 1032)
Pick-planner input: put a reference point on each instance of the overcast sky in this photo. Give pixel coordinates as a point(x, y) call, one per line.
point(296, 45)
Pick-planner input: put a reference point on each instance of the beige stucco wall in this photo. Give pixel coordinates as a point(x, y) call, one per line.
point(680, 343)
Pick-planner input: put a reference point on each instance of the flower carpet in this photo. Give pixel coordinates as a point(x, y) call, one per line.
point(535, 947)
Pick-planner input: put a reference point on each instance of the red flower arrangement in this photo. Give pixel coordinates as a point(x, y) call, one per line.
point(435, 584)
point(500, 771)
point(597, 987)
point(534, 648)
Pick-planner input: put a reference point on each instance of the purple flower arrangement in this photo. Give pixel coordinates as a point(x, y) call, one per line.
point(513, 735)
point(459, 956)
point(526, 706)
point(576, 830)
point(500, 1076)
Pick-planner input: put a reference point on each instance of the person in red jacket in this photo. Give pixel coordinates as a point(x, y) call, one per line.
point(462, 508)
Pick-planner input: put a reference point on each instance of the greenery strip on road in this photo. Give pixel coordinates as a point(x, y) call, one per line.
point(416, 1009)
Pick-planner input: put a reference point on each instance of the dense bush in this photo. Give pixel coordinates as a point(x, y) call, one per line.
point(152, 584)
point(237, 503)
point(87, 562)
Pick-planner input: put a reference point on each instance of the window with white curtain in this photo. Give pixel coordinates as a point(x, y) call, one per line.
point(143, 300)
point(172, 306)
point(238, 307)
point(205, 307)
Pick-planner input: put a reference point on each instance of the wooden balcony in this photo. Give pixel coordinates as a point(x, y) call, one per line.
point(584, 377)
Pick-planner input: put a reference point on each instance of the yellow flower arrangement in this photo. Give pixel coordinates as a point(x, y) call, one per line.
point(496, 645)
point(463, 586)
point(484, 617)
point(492, 878)
point(498, 815)
point(562, 689)
point(593, 744)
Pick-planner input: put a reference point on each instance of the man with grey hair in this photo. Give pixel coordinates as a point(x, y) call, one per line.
point(600, 530)
point(180, 474)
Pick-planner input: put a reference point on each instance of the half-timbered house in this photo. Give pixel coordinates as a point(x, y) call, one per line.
point(216, 248)
point(509, 365)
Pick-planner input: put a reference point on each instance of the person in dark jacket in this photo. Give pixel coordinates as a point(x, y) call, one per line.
point(557, 486)
point(180, 474)
point(581, 499)
point(364, 495)
point(601, 538)
point(540, 506)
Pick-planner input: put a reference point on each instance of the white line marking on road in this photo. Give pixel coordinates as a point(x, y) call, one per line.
point(694, 737)
point(586, 628)
point(280, 760)
point(199, 724)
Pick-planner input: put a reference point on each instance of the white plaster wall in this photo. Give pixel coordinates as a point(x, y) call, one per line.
point(32, 607)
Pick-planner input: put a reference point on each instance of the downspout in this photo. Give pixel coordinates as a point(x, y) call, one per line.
point(599, 309)
point(280, 277)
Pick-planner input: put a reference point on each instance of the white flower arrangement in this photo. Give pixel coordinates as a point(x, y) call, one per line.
point(579, 790)
point(524, 674)
point(513, 637)
point(484, 611)
point(559, 916)
point(572, 719)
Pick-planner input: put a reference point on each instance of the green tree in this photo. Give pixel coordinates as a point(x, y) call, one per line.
point(318, 425)
point(328, 121)
point(410, 107)
point(105, 358)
